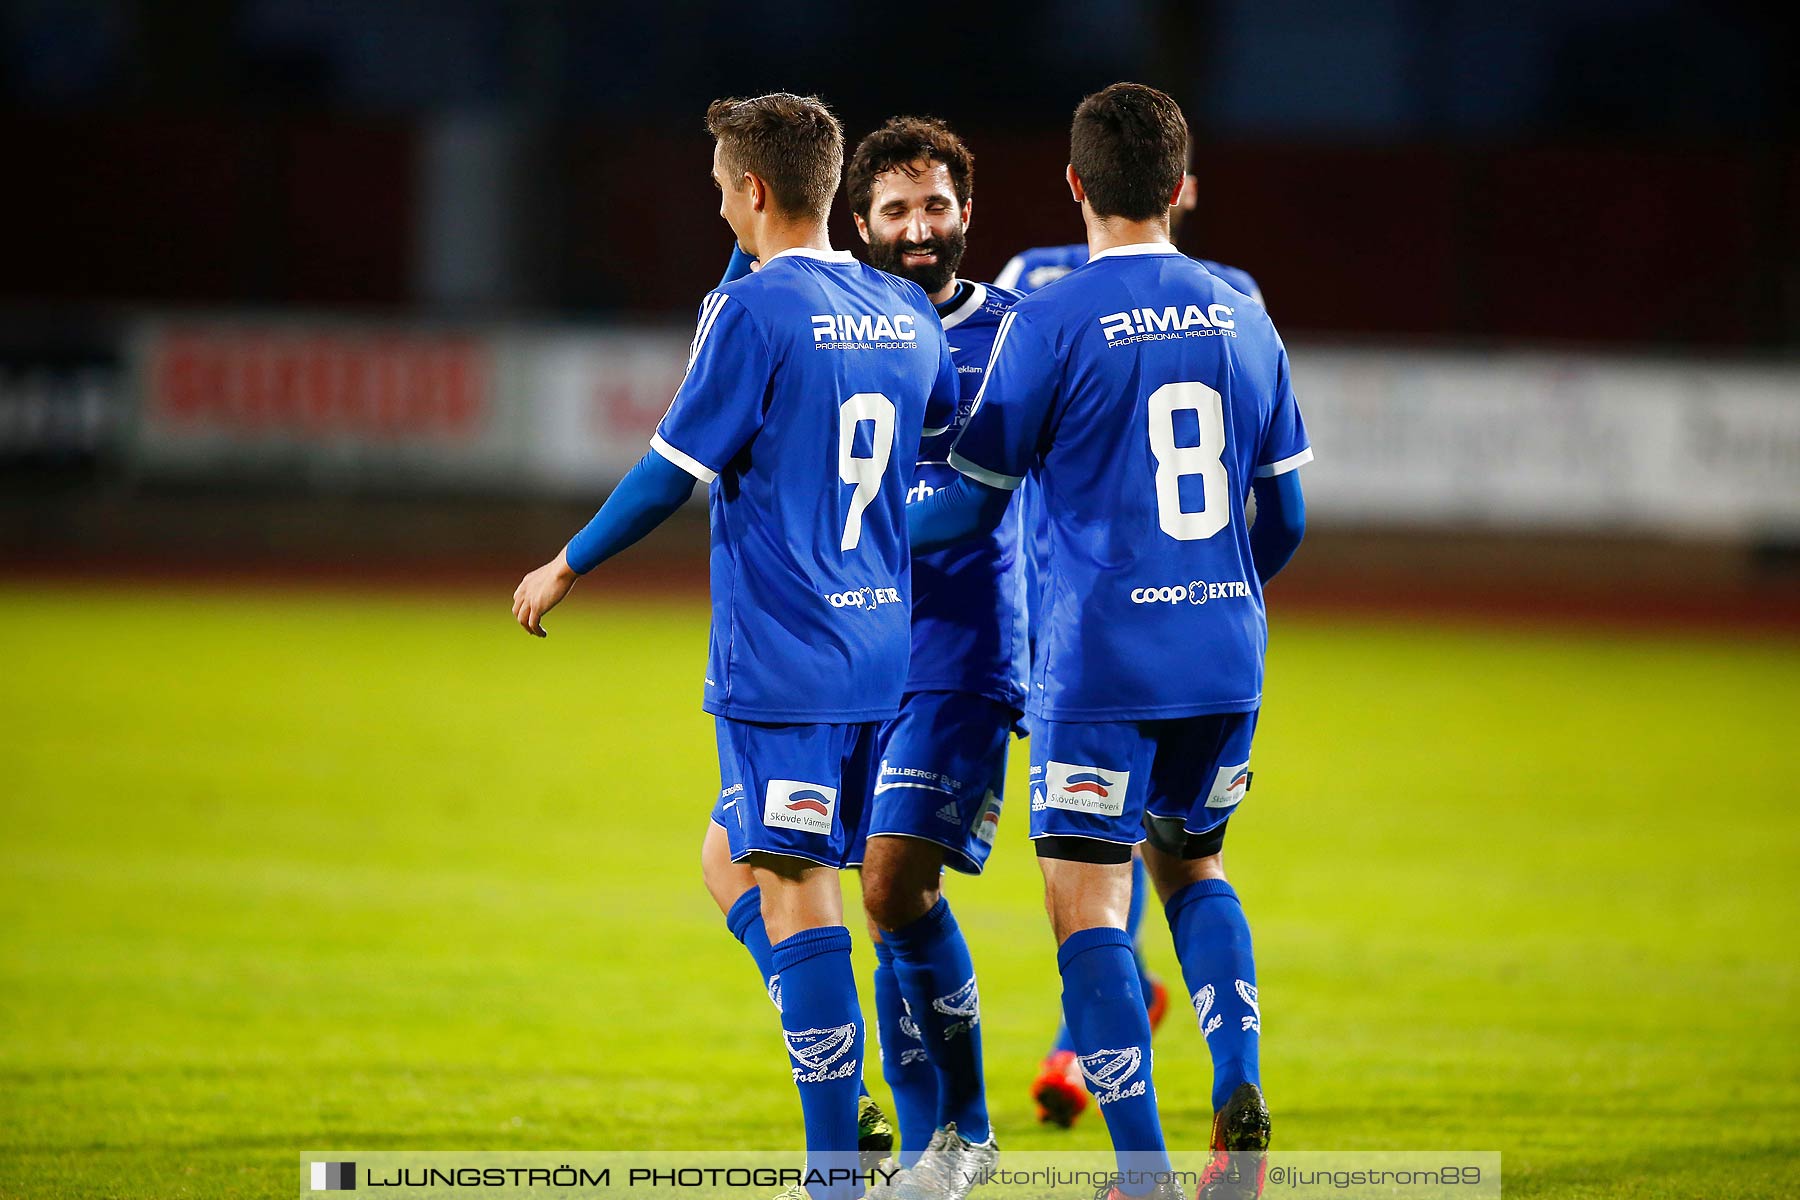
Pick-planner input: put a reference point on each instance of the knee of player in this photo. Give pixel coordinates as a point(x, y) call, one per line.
point(1170, 873)
point(893, 901)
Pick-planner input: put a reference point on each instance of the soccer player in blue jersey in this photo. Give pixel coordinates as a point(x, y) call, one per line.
point(1059, 1091)
point(808, 387)
point(1148, 399)
point(943, 759)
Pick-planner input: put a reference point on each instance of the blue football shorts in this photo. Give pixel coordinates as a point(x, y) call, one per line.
point(1176, 781)
point(943, 774)
point(798, 790)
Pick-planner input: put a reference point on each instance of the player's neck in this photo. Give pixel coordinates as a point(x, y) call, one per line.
point(1109, 232)
point(943, 294)
point(775, 237)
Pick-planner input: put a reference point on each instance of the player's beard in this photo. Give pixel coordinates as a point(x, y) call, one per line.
point(887, 256)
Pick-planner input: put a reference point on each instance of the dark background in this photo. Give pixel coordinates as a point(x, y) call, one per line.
point(1601, 171)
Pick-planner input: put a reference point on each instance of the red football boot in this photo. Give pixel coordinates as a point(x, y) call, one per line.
point(1059, 1090)
point(1157, 1001)
point(1240, 1144)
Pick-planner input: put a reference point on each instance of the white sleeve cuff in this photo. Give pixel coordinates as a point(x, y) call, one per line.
point(979, 474)
point(1285, 465)
point(686, 462)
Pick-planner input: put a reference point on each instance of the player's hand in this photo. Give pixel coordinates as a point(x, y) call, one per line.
point(541, 591)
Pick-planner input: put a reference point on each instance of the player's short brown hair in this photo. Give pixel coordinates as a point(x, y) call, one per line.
point(896, 146)
point(1129, 144)
point(793, 143)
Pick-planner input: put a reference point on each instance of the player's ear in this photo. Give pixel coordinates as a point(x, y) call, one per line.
point(759, 191)
point(1076, 191)
point(862, 227)
point(968, 210)
point(1187, 196)
point(1180, 190)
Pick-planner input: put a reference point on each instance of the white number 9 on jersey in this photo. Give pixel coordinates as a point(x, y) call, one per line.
point(865, 473)
point(1207, 460)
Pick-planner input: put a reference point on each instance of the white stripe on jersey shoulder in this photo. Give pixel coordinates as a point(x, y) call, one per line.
point(710, 308)
point(824, 256)
point(981, 474)
point(1285, 465)
point(1006, 324)
point(1011, 273)
point(977, 297)
point(685, 461)
point(1135, 248)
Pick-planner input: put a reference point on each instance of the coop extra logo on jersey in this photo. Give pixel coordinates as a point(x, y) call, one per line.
point(1195, 591)
point(868, 599)
point(1084, 789)
point(1229, 786)
point(843, 331)
point(791, 804)
point(1152, 324)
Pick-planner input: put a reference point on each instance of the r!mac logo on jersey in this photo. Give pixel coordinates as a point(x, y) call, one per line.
point(846, 329)
point(1079, 788)
point(795, 804)
point(1172, 321)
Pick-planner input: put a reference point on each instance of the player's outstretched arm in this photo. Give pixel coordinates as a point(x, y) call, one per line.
point(1280, 522)
point(967, 508)
point(644, 499)
point(741, 264)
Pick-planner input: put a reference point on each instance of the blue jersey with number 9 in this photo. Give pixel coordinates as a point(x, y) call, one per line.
point(808, 386)
point(1144, 395)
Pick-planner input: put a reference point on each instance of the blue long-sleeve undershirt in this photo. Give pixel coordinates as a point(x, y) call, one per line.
point(738, 267)
point(968, 508)
point(965, 509)
point(1280, 522)
point(644, 499)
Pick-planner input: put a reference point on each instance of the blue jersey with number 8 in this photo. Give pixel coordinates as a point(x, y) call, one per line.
point(1144, 395)
point(808, 386)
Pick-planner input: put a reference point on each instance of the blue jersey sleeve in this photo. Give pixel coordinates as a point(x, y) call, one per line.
point(1284, 445)
point(999, 444)
point(720, 404)
point(946, 393)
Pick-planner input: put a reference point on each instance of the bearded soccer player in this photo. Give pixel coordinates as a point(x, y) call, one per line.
point(1059, 1092)
point(808, 387)
point(943, 759)
point(1149, 400)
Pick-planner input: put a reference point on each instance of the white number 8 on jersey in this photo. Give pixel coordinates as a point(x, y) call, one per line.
point(865, 473)
point(1206, 460)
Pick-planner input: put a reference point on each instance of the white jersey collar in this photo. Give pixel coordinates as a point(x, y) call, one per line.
point(1136, 248)
point(977, 297)
point(825, 256)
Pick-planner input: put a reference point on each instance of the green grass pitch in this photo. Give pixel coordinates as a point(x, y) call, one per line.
point(380, 872)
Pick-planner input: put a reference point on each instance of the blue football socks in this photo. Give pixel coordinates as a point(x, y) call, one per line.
point(1212, 940)
point(824, 1029)
point(1105, 1012)
point(904, 1063)
point(937, 978)
point(746, 924)
point(1134, 918)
